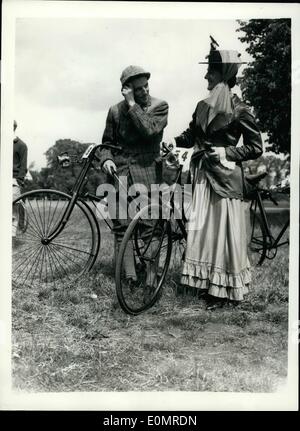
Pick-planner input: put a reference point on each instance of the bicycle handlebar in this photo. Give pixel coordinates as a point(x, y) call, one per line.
point(112, 147)
point(65, 159)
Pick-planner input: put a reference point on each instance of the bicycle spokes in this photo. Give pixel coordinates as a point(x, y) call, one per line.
point(39, 262)
point(142, 264)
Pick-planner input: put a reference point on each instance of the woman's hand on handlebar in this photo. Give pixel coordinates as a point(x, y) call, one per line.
point(109, 167)
point(166, 148)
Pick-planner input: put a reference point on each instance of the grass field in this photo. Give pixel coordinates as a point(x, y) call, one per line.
point(78, 339)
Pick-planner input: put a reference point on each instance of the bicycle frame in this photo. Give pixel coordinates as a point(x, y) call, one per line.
point(281, 233)
point(88, 157)
point(180, 222)
point(257, 201)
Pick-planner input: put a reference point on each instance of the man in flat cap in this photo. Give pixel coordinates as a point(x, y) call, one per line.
point(136, 125)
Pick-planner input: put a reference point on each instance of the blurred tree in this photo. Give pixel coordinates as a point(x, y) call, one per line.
point(266, 82)
point(62, 146)
point(278, 168)
point(54, 176)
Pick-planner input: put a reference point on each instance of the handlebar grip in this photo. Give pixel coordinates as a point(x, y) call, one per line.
point(167, 147)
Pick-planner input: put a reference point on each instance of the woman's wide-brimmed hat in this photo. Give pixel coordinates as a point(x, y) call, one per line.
point(133, 72)
point(225, 56)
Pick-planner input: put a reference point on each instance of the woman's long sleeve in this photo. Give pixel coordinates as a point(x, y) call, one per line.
point(187, 138)
point(252, 143)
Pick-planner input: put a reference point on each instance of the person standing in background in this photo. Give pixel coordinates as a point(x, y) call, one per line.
point(20, 152)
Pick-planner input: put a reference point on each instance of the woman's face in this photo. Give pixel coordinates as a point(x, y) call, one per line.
point(213, 77)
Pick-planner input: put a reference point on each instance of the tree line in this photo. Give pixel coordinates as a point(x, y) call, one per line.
point(55, 176)
point(266, 81)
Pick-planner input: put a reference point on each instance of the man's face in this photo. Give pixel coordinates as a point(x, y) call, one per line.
point(141, 90)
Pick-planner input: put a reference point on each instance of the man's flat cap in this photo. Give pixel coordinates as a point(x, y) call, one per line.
point(133, 72)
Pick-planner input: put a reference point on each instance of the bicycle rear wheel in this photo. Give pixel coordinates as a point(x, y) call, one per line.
point(257, 239)
point(146, 248)
point(37, 262)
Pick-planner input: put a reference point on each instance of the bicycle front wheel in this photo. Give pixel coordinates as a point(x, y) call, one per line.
point(143, 261)
point(39, 262)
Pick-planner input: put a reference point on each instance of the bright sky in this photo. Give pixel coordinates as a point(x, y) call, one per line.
point(67, 72)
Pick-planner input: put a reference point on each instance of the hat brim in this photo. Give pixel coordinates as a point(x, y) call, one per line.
point(221, 62)
point(138, 75)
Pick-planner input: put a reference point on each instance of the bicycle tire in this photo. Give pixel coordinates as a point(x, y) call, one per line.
point(70, 254)
point(257, 243)
point(148, 246)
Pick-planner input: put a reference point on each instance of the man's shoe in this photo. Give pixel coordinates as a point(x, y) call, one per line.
point(132, 284)
point(148, 293)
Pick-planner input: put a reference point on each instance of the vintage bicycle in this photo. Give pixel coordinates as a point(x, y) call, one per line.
point(58, 235)
point(152, 247)
point(150, 237)
point(61, 237)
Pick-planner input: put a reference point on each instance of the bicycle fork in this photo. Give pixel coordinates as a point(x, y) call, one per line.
point(62, 222)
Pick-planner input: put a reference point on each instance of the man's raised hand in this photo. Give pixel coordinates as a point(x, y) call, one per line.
point(128, 93)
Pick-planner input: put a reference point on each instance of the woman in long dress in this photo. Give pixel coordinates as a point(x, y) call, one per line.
point(216, 259)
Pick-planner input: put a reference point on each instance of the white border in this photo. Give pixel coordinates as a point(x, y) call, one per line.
point(286, 399)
